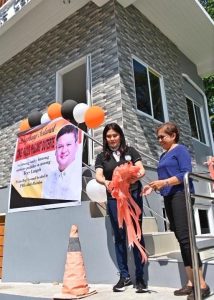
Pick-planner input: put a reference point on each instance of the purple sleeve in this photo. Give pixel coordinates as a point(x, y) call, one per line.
point(184, 162)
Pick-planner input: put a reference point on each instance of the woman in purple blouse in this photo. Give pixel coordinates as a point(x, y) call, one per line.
point(173, 164)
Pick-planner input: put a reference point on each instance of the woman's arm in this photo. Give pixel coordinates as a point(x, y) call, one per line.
point(101, 178)
point(159, 184)
point(136, 160)
point(141, 172)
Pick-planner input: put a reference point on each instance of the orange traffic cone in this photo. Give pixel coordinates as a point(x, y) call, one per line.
point(75, 285)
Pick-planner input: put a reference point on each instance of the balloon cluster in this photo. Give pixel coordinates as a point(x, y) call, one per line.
point(92, 116)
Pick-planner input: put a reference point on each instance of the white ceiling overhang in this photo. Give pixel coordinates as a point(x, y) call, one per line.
point(184, 22)
point(187, 25)
point(31, 22)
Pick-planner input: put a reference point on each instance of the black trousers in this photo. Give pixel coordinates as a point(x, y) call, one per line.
point(120, 238)
point(176, 211)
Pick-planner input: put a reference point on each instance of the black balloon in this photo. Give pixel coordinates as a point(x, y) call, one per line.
point(67, 109)
point(34, 118)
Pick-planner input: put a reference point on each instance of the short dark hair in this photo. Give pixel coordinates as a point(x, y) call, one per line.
point(67, 129)
point(170, 128)
point(118, 129)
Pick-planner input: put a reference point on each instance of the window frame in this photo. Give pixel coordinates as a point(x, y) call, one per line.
point(162, 90)
point(59, 92)
point(200, 106)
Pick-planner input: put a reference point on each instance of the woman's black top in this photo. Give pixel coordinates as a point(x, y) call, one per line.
point(109, 164)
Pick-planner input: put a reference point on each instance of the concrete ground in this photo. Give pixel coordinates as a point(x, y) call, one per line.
point(104, 292)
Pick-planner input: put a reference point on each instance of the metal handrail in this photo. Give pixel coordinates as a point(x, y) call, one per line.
point(154, 212)
point(89, 136)
point(193, 245)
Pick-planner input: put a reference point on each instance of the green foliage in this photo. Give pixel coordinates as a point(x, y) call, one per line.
point(209, 88)
point(209, 81)
point(209, 6)
point(209, 91)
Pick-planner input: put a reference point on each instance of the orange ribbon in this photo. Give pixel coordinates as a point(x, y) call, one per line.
point(210, 164)
point(127, 209)
point(211, 167)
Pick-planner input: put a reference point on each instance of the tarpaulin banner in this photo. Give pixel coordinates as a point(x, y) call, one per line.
point(47, 167)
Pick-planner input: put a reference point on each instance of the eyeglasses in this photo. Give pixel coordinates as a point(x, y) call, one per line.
point(161, 137)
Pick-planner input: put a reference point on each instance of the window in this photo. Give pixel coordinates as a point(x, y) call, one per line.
point(195, 119)
point(74, 82)
point(204, 220)
point(148, 91)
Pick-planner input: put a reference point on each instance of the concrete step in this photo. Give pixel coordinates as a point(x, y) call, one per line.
point(149, 225)
point(158, 243)
point(205, 241)
point(168, 270)
point(170, 263)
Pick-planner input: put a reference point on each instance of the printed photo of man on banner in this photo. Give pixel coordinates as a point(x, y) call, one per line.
point(47, 167)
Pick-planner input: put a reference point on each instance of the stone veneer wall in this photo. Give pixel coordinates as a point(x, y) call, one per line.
point(111, 34)
point(28, 80)
point(137, 36)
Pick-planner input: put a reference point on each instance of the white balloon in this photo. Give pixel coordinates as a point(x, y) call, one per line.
point(45, 118)
point(96, 191)
point(79, 112)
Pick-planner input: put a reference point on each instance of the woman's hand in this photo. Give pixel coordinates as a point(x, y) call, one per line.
point(101, 179)
point(107, 182)
point(158, 184)
point(139, 175)
point(146, 190)
point(141, 172)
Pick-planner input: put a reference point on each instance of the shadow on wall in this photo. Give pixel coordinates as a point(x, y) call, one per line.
point(4, 196)
point(110, 241)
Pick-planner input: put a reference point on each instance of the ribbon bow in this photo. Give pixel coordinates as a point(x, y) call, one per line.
point(127, 209)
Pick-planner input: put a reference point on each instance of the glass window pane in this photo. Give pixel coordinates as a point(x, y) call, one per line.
point(142, 88)
point(199, 123)
point(156, 97)
point(204, 223)
point(192, 118)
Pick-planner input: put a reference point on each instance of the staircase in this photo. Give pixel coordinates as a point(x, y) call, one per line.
point(165, 266)
point(165, 257)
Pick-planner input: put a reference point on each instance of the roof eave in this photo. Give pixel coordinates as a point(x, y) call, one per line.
point(173, 18)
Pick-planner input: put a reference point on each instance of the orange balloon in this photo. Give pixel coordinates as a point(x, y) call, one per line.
point(94, 116)
point(24, 125)
point(54, 110)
